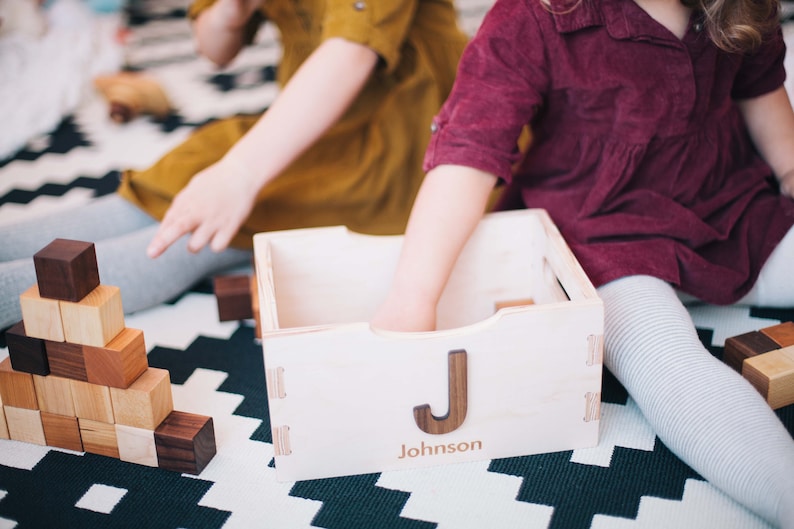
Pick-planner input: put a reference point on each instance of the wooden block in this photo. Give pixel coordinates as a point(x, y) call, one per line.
point(146, 402)
point(772, 374)
point(27, 353)
point(233, 295)
point(92, 401)
point(16, 387)
point(99, 437)
point(66, 269)
point(185, 442)
point(782, 334)
point(66, 360)
point(120, 362)
point(42, 316)
point(24, 425)
point(747, 345)
point(136, 445)
point(54, 394)
point(62, 431)
point(3, 423)
point(513, 303)
point(94, 320)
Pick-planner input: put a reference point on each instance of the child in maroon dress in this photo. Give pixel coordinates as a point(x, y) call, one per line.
point(663, 148)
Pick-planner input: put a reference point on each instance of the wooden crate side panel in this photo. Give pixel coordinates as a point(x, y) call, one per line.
point(529, 389)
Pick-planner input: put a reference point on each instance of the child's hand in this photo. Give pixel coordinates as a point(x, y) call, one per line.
point(212, 207)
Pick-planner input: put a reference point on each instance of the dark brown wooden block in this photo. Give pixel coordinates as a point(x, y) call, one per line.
point(185, 442)
point(747, 345)
point(233, 295)
point(27, 353)
point(782, 333)
point(62, 431)
point(120, 362)
point(66, 270)
point(66, 360)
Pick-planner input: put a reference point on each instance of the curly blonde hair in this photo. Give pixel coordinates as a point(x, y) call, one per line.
point(737, 26)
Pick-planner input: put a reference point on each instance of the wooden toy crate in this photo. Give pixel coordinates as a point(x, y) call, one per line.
point(513, 369)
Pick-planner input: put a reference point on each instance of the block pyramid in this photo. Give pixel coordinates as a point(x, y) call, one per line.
point(77, 378)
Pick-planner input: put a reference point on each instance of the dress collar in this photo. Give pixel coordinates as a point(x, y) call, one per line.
point(623, 19)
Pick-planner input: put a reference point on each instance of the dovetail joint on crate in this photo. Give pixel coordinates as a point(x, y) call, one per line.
point(275, 383)
point(595, 349)
point(281, 445)
point(592, 410)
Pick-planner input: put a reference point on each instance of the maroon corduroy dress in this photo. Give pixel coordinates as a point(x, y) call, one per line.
point(639, 152)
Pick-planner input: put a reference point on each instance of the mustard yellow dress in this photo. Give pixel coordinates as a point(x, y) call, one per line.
point(365, 171)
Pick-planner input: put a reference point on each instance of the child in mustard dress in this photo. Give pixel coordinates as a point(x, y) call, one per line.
point(341, 144)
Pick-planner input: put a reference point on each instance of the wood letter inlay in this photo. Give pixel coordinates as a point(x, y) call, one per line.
point(458, 400)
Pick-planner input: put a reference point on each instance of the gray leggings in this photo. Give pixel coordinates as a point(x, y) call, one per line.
point(705, 412)
point(121, 232)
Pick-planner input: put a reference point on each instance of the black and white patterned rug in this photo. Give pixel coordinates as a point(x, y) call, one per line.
point(629, 481)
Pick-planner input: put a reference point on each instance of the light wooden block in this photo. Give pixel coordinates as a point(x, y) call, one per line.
point(782, 333)
point(99, 438)
point(136, 445)
point(66, 360)
point(42, 316)
point(3, 423)
point(521, 381)
point(185, 442)
point(118, 363)
point(16, 387)
point(62, 431)
point(24, 425)
point(54, 394)
point(772, 374)
point(92, 402)
point(146, 402)
point(27, 353)
point(94, 320)
point(66, 269)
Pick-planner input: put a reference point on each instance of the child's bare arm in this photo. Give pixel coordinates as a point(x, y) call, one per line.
point(770, 121)
point(219, 30)
point(448, 207)
point(217, 200)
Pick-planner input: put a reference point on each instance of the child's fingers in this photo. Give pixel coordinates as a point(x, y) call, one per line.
point(170, 230)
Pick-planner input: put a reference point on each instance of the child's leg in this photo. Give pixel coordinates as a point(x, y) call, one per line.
point(105, 217)
point(700, 408)
point(775, 287)
point(122, 262)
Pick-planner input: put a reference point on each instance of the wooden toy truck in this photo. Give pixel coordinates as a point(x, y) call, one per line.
point(513, 369)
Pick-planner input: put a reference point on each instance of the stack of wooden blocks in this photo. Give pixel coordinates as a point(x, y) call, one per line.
point(766, 359)
point(77, 378)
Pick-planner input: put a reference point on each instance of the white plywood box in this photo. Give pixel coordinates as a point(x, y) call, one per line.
point(347, 399)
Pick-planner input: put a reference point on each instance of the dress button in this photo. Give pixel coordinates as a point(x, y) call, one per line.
point(433, 127)
point(359, 6)
point(698, 27)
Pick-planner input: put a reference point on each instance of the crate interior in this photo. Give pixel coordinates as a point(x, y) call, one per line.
point(331, 276)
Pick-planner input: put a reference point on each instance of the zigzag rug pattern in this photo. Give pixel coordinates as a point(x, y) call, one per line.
point(629, 481)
